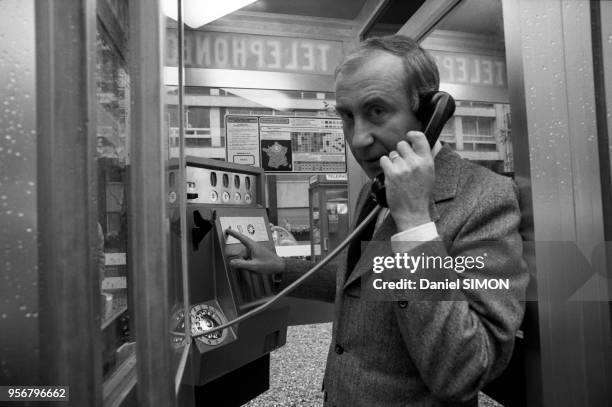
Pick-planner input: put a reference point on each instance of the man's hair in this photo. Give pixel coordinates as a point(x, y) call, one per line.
point(421, 74)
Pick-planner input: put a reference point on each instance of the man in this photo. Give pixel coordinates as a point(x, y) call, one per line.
point(409, 353)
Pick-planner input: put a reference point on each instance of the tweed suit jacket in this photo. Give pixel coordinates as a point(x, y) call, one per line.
point(427, 353)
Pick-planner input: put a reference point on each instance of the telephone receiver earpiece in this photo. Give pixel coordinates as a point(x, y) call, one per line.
point(435, 108)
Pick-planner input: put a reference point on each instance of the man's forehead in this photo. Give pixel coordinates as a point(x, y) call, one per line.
point(375, 65)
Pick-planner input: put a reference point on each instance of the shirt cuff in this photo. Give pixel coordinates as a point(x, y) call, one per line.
point(407, 240)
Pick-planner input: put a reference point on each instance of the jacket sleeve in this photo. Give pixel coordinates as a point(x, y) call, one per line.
point(460, 342)
point(320, 286)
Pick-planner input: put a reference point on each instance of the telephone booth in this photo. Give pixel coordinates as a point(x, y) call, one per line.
point(328, 204)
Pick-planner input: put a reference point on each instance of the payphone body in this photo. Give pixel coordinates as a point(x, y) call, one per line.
point(328, 204)
point(223, 195)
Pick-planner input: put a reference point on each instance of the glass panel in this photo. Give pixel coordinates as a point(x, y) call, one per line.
point(469, 126)
point(174, 150)
point(606, 61)
point(112, 157)
point(19, 309)
point(603, 58)
point(308, 147)
point(198, 117)
point(472, 64)
point(214, 128)
point(173, 180)
point(471, 59)
point(289, 129)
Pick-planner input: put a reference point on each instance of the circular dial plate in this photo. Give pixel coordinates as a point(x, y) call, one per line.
point(205, 317)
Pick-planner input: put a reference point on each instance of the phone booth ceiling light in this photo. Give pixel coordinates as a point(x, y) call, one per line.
point(200, 12)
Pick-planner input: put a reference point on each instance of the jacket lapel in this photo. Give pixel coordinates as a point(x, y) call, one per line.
point(447, 168)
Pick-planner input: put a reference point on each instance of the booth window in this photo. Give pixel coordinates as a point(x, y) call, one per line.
point(207, 135)
point(112, 158)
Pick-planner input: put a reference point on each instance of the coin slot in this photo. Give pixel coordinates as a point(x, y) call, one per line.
point(213, 179)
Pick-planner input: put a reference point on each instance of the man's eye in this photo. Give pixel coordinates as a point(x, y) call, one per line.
point(376, 112)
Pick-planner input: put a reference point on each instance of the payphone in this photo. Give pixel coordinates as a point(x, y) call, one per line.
point(233, 363)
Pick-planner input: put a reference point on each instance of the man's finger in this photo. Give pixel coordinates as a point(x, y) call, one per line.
point(403, 147)
point(385, 164)
point(245, 240)
point(419, 143)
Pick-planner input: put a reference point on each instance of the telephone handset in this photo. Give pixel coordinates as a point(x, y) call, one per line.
point(434, 111)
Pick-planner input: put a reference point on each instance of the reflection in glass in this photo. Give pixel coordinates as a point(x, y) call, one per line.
point(471, 58)
point(177, 190)
point(112, 157)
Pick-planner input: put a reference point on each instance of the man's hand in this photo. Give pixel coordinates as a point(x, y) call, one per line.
point(409, 179)
point(255, 257)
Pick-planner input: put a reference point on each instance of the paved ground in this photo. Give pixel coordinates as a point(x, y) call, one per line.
point(296, 370)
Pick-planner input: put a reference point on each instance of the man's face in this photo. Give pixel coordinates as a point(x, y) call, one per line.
point(375, 108)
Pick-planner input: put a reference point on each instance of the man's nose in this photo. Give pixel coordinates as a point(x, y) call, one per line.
point(362, 136)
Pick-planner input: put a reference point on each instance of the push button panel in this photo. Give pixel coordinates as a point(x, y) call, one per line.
point(250, 288)
point(210, 186)
point(252, 226)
